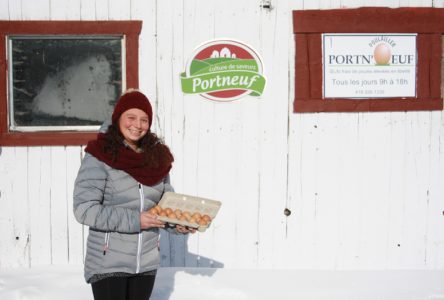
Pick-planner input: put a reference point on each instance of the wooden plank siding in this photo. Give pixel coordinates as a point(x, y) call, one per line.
point(364, 189)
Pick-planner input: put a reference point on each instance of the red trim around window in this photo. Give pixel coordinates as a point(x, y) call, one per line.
point(308, 25)
point(131, 30)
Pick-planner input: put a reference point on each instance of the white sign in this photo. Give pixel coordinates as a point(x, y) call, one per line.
point(369, 65)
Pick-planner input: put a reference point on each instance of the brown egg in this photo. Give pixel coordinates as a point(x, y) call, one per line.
point(183, 218)
point(172, 215)
point(206, 218)
point(197, 215)
point(153, 211)
point(162, 214)
point(192, 220)
point(202, 222)
point(187, 215)
point(168, 210)
point(178, 213)
point(158, 208)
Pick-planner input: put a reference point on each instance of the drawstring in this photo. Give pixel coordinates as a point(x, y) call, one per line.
point(106, 246)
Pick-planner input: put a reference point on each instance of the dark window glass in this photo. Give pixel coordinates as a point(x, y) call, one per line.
point(60, 82)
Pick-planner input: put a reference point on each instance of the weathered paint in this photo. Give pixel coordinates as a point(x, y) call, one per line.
point(364, 189)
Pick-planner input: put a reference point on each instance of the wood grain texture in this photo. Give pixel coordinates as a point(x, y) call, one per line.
point(364, 189)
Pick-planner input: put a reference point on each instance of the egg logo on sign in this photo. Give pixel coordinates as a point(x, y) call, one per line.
point(382, 54)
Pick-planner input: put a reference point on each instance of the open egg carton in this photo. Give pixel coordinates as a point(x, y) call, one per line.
point(185, 207)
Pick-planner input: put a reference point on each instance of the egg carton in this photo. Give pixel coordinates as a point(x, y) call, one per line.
point(191, 204)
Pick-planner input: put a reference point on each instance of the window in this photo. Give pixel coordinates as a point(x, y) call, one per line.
point(63, 78)
point(424, 23)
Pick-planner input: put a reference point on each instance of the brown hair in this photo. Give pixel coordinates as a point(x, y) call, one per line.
point(157, 154)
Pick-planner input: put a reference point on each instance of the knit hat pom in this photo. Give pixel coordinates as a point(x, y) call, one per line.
point(132, 98)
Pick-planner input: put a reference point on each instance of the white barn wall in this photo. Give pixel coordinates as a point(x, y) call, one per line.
point(364, 188)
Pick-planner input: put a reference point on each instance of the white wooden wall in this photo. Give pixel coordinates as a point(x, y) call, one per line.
point(365, 189)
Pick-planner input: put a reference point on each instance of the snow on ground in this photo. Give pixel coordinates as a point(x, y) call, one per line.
point(66, 282)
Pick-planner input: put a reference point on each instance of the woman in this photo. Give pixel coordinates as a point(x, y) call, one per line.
point(123, 174)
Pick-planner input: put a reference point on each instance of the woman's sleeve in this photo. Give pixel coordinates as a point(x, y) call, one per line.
point(168, 186)
point(89, 191)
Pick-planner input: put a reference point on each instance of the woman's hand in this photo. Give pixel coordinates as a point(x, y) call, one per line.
point(148, 220)
point(184, 229)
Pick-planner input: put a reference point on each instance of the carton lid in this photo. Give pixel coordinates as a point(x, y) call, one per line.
point(191, 204)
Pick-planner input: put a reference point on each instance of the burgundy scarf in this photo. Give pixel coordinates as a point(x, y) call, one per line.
point(128, 161)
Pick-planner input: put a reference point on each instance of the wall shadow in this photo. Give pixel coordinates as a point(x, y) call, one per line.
point(175, 257)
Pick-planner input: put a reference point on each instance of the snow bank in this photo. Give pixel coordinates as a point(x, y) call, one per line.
point(66, 282)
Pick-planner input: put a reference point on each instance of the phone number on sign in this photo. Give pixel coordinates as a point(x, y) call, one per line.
point(369, 92)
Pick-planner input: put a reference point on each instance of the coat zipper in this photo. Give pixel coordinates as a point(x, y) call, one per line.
point(139, 244)
point(106, 245)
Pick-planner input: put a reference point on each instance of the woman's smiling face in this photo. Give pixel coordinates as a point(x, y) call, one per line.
point(133, 124)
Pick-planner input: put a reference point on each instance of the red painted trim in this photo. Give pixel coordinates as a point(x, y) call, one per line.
point(435, 65)
point(302, 69)
point(422, 71)
point(70, 27)
point(131, 30)
point(308, 26)
point(55, 138)
point(132, 63)
point(370, 20)
point(349, 105)
point(3, 88)
point(315, 63)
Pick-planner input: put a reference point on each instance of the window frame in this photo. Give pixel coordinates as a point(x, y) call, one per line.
point(129, 29)
point(309, 25)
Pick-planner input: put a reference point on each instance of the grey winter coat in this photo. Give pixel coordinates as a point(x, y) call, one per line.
point(109, 201)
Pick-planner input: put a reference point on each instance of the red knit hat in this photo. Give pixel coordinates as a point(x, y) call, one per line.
point(132, 99)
